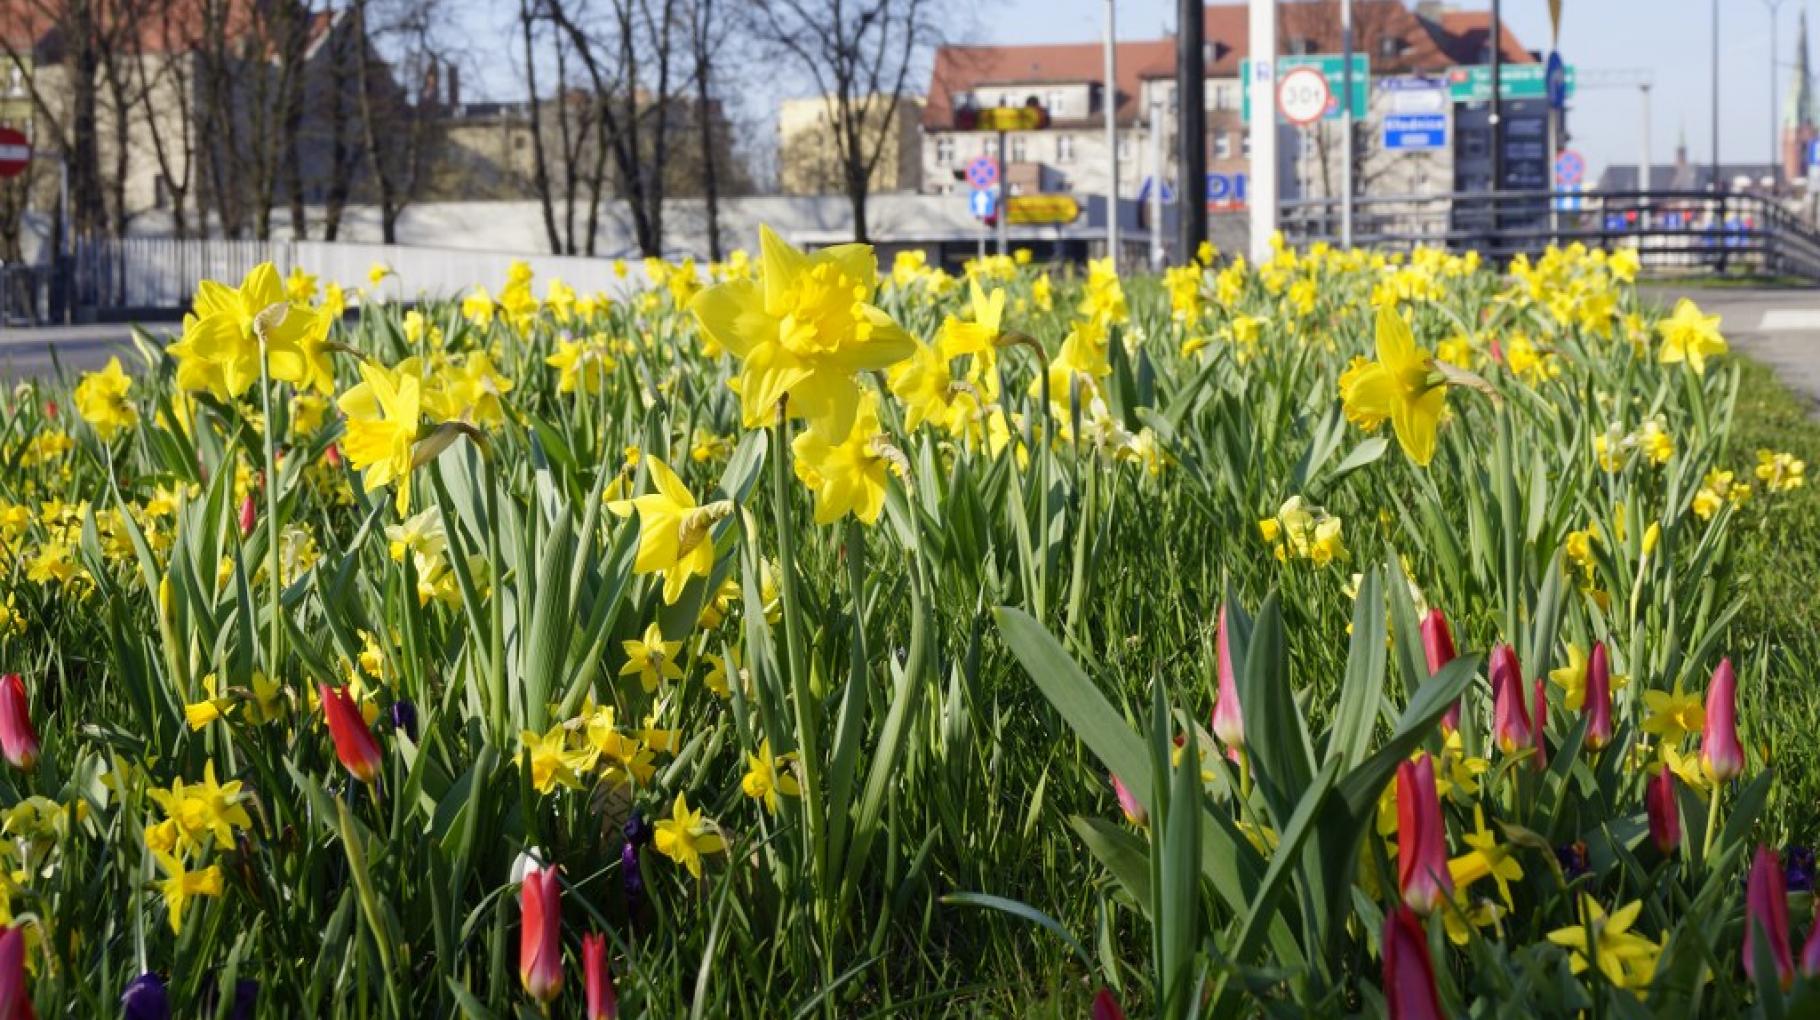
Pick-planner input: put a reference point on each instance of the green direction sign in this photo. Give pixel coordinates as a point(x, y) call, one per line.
point(1332, 66)
point(1515, 81)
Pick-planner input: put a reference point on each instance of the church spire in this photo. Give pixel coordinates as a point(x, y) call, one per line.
point(1798, 109)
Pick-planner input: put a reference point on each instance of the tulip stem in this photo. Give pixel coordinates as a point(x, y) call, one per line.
point(1712, 823)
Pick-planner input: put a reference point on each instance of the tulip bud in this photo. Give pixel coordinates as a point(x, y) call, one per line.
point(1422, 871)
point(1510, 720)
point(1228, 719)
point(332, 456)
point(145, 998)
point(1105, 1007)
point(50, 409)
point(1437, 647)
point(1598, 698)
point(603, 1000)
point(1540, 728)
point(354, 742)
point(249, 512)
point(15, 995)
point(1766, 909)
point(18, 740)
point(1664, 811)
point(1128, 803)
point(1409, 976)
point(540, 934)
point(1720, 750)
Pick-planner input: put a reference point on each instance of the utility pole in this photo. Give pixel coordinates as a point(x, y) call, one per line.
point(1775, 126)
point(1347, 113)
point(1644, 166)
point(1157, 256)
point(1191, 126)
point(1004, 199)
point(1263, 127)
point(1716, 185)
point(1497, 97)
point(1110, 91)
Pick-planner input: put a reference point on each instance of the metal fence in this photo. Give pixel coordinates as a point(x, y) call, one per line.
point(139, 274)
point(1671, 231)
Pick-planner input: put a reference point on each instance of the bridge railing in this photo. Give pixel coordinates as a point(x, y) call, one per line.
point(1671, 231)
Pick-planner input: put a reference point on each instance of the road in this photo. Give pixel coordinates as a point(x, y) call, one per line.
point(27, 352)
point(1777, 326)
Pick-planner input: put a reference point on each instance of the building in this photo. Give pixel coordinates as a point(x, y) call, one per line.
point(808, 160)
point(1070, 153)
point(1799, 128)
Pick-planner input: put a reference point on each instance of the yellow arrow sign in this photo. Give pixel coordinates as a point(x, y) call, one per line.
point(1042, 209)
point(1012, 118)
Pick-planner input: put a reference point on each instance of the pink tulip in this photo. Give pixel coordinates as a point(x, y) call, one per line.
point(355, 744)
point(1766, 907)
point(15, 995)
point(18, 740)
point(1664, 811)
point(1228, 720)
point(1105, 1007)
point(1128, 803)
point(249, 512)
point(1598, 698)
point(1720, 750)
point(1437, 647)
point(1510, 719)
point(603, 1000)
point(540, 934)
point(1409, 975)
point(1810, 950)
point(1422, 870)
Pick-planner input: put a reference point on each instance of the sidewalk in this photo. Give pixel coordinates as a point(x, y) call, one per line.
point(1779, 327)
point(27, 351)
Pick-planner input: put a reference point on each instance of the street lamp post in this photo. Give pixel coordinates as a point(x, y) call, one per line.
point(1111, 102)
point(1775, 127)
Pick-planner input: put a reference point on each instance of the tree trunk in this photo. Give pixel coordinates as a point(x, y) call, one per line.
point(540, 170)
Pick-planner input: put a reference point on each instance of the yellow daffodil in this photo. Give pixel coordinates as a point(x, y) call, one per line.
point(552, 761)
point(673, 532)
point(1627, 959)
point(1691, 337)
point(181, 885)
point(802, 331)
point(652, 659)
point(219, 350)
point(1400, 387)
point(1780, 472)
point(101, 399)
point(849, 476)
point(1672, 716)
point(383, 414)
point(767, 776)
point(1571, 678)
point(684, 837)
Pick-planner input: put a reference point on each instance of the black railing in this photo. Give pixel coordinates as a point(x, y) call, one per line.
point(1671, 231)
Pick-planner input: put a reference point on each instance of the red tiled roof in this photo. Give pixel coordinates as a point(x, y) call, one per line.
point(1424, 46)
point(173, 26)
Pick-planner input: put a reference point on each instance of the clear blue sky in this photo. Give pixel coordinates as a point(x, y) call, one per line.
point(1671, 38)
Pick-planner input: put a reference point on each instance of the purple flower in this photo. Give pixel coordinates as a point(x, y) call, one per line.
point(1800, 868)
point(637, 831)
point(633, 878)
point(145, 999)
point(404, 718)
point(1573, 858)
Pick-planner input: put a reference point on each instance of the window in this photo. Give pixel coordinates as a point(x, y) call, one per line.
point(1245, 144)
point(944, 149)
point(1017, 149)
point(1055, 101)
point(1389, 46)
point(988, 144)
point(1222, 145)
point(1225, 96)
point(1124, 147)
point(1064, 148)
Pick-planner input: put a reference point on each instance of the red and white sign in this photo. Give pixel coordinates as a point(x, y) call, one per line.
point(1303, 95)
point(15, 152)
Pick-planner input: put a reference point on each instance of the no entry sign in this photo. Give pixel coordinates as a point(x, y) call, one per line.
point(15, 152)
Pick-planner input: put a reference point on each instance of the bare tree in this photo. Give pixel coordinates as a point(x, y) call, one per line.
point(167, 83)
point(859, 54)
point(707, 35)
point(398, 125)
point(540, 169)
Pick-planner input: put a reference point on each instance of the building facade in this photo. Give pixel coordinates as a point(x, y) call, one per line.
point(808, 160)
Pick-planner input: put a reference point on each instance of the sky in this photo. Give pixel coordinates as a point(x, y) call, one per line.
point(1671, 39)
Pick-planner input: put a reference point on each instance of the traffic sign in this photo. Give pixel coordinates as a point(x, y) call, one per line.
point(1041, 209)
point(1332, 66)
point(982, 172)
point(982, 203)
point(1303, 95)
point(1813, 152)
point(15, 152)
point(1143, 194)
point(1554, 76)
point(1415, 94)
point(1225, 191)
point(1012, 118)
point(1570, 169)
point(1515, 81)
point(1415, 132)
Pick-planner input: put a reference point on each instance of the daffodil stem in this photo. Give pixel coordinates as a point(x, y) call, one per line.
point(804, 704)
point(1712, 824)
point(274, 581)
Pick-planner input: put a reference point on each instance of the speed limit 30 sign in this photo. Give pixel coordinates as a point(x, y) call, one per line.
point(1303, 95)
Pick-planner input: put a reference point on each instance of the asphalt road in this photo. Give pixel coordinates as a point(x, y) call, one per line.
point(38, 351)
point(1778, 326)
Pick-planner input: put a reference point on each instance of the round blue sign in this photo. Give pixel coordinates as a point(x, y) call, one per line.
point(1555, 77)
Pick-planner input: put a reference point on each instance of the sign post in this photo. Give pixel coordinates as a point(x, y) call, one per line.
point(1260, 86)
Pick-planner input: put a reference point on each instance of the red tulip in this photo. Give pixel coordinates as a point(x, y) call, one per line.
point(603, 1001)
point(1720, 750)
point(1105, 1007)
point(333, 455)
point(1598, 698)
point(1228, 720)
point(540, 934)
point(249, 512)
point(50, 409)
point(1664, 811)
point(1810, 950)
point(18, 740)
point(1421, 837)
point(354, 742)
point(1766, 907)
point(1437, 646)
point(1540, 729)
point(15, 996)
point(1509, 717)
point(1128, 803)
point(1409, 976)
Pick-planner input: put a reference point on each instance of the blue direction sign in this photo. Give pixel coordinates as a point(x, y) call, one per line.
point(1150, 182)
point(982, 202)
point(1555, 81)
point(982, 172)
point(1415, 132)
point(1227, 190)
